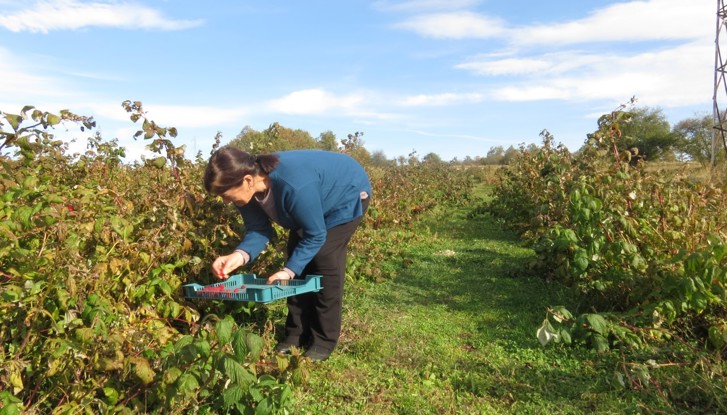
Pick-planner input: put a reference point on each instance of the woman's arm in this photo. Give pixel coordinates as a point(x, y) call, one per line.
point(258, 230)
point(307, 212)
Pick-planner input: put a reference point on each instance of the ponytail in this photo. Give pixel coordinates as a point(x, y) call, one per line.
point(229, 165)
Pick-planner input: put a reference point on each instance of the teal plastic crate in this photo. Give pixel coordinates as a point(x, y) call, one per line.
point(247, 287)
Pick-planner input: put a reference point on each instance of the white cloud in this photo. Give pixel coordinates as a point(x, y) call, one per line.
point(442, 99)
point(674, 77)
point(454, 25)
point(189, 116)
point(51, 15)
point(629, 22)
point(313, 101)
point(510, 66)
point(545, 64)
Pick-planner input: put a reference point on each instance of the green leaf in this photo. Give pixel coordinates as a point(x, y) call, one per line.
point(717, 337)
point(16, 381)
point(187, 384)
point(580, 262)
point(183, 342)
point(264, 407)
point(254, 345)
point(565, 336)
point(203, 347)
point(14, 120)
point(159, 162)
point(239, 344)
point(10, 409)
point(597, 323)
point(570, 236)
point(561, 313)
point(256, 394)
point(236, 372)
point(599, 343)
point(85, 335)
point(171, 375)
point(142, 369)
point(25, 110)
point(23, 215)
point(224, 329)
point(699, 301)
point(232, 395)
point(112, 395)
point(53, 119)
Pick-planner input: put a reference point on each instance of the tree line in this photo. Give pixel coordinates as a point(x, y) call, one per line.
point(646, 134)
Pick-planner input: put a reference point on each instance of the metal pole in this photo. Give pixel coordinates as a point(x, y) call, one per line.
point(717, 128)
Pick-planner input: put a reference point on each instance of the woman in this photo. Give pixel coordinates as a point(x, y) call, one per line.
point(320, 197)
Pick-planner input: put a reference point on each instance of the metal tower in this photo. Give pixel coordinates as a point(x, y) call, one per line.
point(720, 84)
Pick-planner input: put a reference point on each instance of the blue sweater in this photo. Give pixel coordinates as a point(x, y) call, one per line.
point(314, 190)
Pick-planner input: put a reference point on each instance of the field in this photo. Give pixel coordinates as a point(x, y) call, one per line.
point(560, 284)
point(455, 333)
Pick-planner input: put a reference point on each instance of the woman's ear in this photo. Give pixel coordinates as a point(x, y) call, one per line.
point(249, 180)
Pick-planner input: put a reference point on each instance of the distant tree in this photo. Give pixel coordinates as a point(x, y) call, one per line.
point(648, 130)
point(509, 154)
point(378, 159)
point(468, 161)
point(328, 141)
point(274, 138)
point(495, 155)
point(696, 138)
point(432, 159)
point(353, 145)
point(250, 140)
point(413, 158)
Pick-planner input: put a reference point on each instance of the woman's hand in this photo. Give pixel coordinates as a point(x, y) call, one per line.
point(228, 263)
point(279, 276)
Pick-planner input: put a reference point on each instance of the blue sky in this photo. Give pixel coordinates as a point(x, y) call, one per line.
point(451, 77)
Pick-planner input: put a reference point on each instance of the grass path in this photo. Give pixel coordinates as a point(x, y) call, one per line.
point(454, 333)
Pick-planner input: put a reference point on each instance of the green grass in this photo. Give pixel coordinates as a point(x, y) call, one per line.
point(454, 333)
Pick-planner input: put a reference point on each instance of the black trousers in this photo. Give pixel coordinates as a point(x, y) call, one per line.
point(315, 318)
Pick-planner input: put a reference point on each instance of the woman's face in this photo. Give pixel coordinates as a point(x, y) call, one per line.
point(241, 194)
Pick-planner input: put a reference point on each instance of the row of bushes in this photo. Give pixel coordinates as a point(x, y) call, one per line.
point(93, 254)
point(647, 243)
point(644, 250)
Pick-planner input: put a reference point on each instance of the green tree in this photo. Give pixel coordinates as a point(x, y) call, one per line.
point(413, 158)
point(378, 159)
point(353, 145)
point(648, 130)
point(432, 159)
point(695, 136)
point(495, 155)
point(274, 138)
point(510, 153)
point(328, 141)
point(250, 140)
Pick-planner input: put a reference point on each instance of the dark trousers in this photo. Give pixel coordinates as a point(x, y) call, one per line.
point(315, 318)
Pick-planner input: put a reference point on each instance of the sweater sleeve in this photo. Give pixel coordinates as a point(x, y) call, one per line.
point(259, 230)
point(307, 211)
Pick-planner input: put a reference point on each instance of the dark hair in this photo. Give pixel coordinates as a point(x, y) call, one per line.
point(229, 165)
